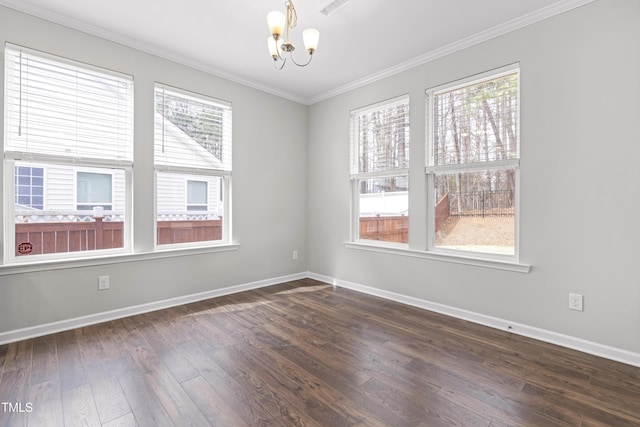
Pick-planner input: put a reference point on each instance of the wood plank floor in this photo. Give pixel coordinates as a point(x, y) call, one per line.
point(307, 354)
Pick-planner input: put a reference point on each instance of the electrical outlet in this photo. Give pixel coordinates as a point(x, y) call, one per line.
point(103, 283)
point(575, 302)
point(294, 255)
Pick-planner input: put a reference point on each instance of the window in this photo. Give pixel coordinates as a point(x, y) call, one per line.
point(193, 168)
point(94, 189)
point(29, 187)
point(473, 158)
point(380, 171)
point(64, 116)
point(197, 196)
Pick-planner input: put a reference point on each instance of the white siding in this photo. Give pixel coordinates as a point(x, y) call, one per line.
point(172, 192)
point(60, 186)
point(119, 184)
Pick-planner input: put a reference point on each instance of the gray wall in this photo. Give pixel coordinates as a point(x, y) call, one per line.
point(580, 204)
point(269, 191)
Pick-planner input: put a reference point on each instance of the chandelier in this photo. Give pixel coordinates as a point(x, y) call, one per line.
point(280, 47)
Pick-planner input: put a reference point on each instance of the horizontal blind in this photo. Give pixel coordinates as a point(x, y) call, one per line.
point(380, 137)
point(478, 122)
point(192, 132)
point(62, 108)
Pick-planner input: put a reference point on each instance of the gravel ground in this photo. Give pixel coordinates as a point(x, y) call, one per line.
point(477, 231)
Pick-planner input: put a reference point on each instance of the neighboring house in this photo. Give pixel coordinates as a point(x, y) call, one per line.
point(60, 191)
point(180, 194)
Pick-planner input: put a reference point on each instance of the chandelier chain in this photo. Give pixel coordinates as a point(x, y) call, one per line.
point(292, 15)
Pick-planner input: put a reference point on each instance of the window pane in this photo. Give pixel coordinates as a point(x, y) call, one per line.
point(26, 187)
point(37, 202)
point(94, 189)
point(382, 139)
point(190, 208)
point(475, 211)
point(66, 226)
point(191, 131)
point(196, 193)
point(384, 209)
point(477, 123)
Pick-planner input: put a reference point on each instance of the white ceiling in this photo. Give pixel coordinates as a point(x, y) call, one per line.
point(362, 41)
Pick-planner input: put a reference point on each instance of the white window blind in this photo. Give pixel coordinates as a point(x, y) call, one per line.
point(192, 132)
point(380, 137)
point(58, 108)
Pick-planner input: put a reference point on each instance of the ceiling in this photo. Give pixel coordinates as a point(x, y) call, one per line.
point(362, 41)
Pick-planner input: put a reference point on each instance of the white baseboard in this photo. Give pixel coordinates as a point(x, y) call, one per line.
point(92, 319)
point(579, 344)
point(574, 343)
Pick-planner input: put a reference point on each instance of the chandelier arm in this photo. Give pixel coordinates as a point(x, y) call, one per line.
point(276, 37)
point(302, 65)
point(282, 60)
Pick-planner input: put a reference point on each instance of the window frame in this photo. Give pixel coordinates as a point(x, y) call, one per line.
point(357, 177)
point(73, 161)
point(224, 174)
point(432, 170)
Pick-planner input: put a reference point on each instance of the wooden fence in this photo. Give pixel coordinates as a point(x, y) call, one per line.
point(385, 228)
point(189, 231)
point(443, 209)
point(60, 237)
point(396, 228)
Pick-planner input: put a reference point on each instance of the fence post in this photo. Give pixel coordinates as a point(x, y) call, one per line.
point(98, 214)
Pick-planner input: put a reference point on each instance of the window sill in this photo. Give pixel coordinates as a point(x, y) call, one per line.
point(58, 264)
point(403, 250)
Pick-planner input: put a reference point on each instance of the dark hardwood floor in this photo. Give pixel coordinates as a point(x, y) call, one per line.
point(305, 353)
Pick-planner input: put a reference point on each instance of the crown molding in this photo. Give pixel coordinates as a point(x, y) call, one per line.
point(514, 24)
point(498, 30)
point(102, 33)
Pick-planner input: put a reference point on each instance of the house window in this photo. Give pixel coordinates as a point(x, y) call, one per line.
point(197, 196)
point(73, 122)
point(29, 187)
point(193, 164)
point(94, 189)
point(473, 154)
point(380, 171)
